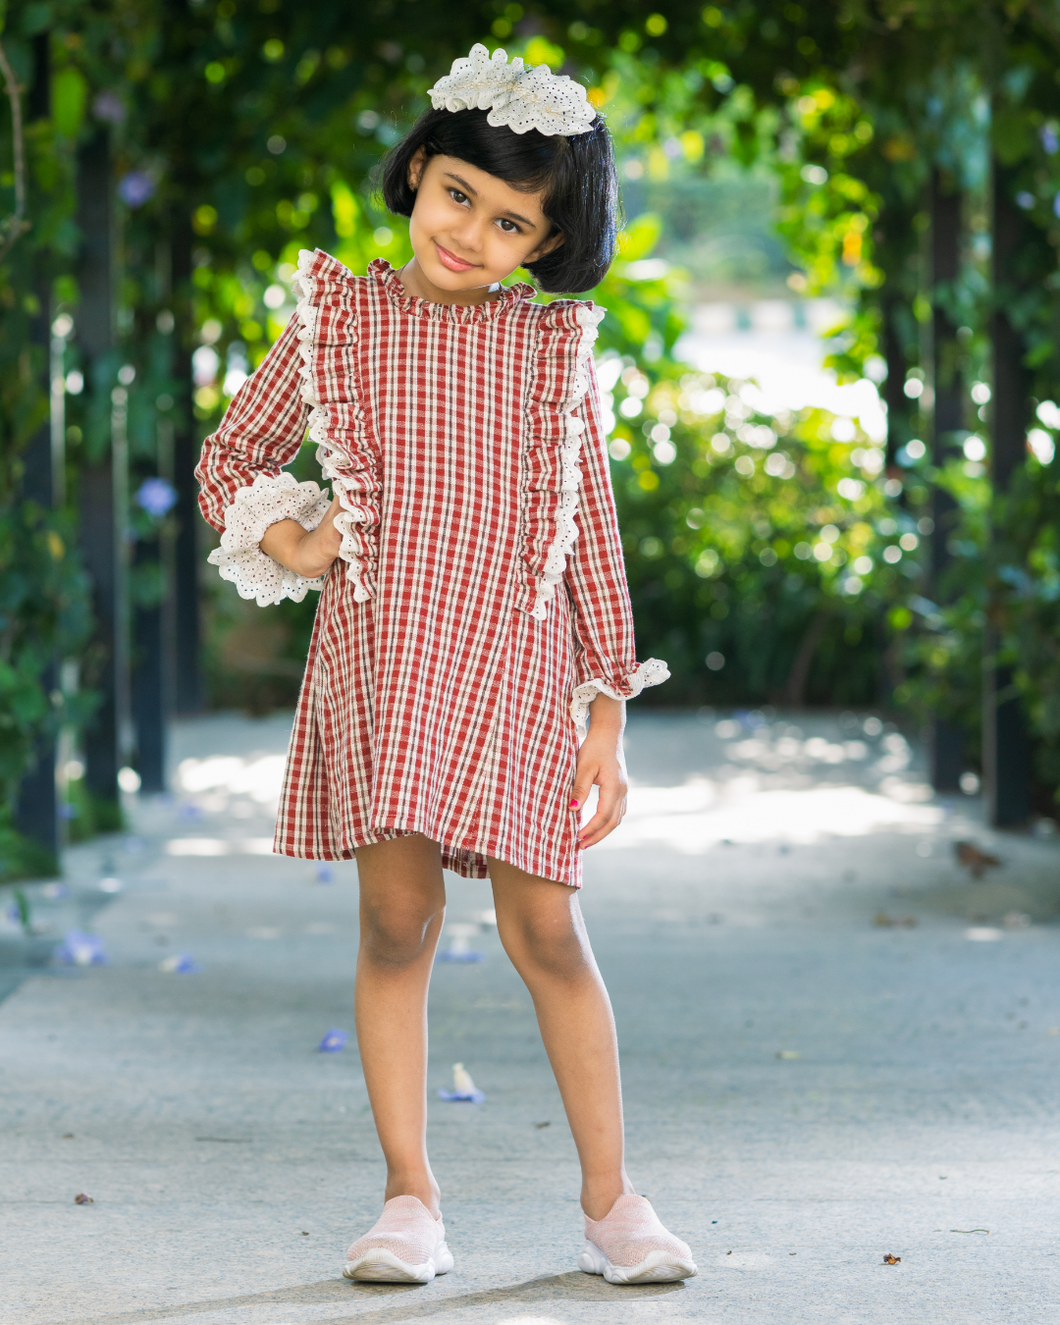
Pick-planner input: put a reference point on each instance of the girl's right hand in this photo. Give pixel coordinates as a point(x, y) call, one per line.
point(309, 553)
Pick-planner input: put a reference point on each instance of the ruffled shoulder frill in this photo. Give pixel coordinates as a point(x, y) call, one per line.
point(328, 295)
point(559, 381)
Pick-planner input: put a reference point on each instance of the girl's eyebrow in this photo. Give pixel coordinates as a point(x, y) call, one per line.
point(514, 216)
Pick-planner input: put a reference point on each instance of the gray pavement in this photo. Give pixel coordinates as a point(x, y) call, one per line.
point(837, 1045)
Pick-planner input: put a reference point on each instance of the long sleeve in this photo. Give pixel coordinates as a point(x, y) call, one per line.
point(605, 657)
point(243, 491)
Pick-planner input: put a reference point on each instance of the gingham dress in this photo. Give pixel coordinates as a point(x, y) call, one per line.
point(478, 604)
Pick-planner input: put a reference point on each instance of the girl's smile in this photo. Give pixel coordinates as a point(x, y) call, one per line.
point(451, 261)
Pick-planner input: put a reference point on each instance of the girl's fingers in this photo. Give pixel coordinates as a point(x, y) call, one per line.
point(609, 812)
point(583, 784)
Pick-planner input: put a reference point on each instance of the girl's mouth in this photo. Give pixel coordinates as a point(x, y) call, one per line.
point(451, 261)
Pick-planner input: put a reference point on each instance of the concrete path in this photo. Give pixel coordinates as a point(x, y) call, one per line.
point(837, 1046)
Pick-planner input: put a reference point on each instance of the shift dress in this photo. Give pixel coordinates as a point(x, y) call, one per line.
point(479, 601)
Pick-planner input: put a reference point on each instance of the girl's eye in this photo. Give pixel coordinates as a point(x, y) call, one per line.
point(457, 196)
point(509, 227)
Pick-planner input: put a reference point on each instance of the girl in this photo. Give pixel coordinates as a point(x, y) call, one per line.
point(473, 611)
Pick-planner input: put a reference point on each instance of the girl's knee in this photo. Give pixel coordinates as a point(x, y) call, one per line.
point(549, 948)
point(399, 938)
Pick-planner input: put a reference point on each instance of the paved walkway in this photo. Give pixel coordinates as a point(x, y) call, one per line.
point(837, 1045)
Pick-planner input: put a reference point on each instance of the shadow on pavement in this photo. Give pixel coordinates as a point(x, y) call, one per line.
point(571, 1287)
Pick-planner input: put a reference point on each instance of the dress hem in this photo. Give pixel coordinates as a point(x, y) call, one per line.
point(450, 852)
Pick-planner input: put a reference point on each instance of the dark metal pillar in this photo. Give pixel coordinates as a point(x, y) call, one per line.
point(150, 684)
point(37, 808)
point(948, 412)
point(1006, 755)
point(152, 633)
point(152, 638)
point(894, 387)
point(187, 643)
point(102, 489)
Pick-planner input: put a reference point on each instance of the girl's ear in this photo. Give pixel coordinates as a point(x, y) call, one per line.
point(417, 163)
point(548, 245)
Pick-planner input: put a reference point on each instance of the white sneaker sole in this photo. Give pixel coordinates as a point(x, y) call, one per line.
point(658, 1267)
point(383, 1267)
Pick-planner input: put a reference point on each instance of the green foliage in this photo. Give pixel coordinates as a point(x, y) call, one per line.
point(43, 594)
point(1006, 600)
point(22, 859)
point(43, 609)
point(754, 536)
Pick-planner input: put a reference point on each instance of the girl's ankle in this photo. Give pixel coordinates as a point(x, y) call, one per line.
point(426, 1192)
point(598, 1200)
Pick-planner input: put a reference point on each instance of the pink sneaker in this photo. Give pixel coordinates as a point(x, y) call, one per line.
point(406, 1246)
point(630, 1246)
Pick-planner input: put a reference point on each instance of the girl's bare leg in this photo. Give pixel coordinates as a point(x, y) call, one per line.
point(402, 908)
point(540, 924)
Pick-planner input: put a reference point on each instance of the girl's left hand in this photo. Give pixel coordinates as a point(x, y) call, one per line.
point(601, 763)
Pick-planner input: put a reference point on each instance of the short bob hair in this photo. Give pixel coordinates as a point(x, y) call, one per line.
point(575, 175)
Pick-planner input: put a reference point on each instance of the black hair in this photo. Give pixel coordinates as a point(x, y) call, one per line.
point(576, 177)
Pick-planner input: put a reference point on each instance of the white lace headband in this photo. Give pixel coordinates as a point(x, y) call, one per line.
point(515, 96)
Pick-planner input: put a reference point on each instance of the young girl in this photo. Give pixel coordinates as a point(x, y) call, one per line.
point(473, 611)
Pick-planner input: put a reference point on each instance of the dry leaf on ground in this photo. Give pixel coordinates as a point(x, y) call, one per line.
point(973, 859)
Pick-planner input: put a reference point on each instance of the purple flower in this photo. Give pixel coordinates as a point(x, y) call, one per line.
point(333, 1041)
point(179, 964)
point(81, 949)
point(464, 1089)
point(462, 1096)
point(135, 188)
point(1050, 139)
point(156, 496)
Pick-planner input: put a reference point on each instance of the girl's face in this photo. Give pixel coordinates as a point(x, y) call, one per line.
point(469, 229)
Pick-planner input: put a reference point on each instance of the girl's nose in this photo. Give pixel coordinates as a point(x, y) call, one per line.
point(468, 237)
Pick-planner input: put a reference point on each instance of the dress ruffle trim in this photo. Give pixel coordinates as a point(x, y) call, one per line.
point(651, 673)
point(325, 296)
point(552, 490)
point(462, 314)
point(253, 509)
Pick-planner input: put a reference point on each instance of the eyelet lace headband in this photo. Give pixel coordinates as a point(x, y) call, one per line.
point(514, 95)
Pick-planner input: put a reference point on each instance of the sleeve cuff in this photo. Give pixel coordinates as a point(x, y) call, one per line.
point(253, 509)
point(651, 673)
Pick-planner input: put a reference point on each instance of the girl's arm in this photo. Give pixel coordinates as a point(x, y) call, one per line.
point(605, 663)
point(605, 660)
point(243, 492)
point(307, 552)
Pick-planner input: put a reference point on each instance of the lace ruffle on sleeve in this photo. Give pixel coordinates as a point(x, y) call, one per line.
point(651, 673)
point(253, 510)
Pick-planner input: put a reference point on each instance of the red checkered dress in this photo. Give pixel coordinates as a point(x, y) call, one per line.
point(479, 601)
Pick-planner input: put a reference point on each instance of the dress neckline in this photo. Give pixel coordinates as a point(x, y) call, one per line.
point(464, 314)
